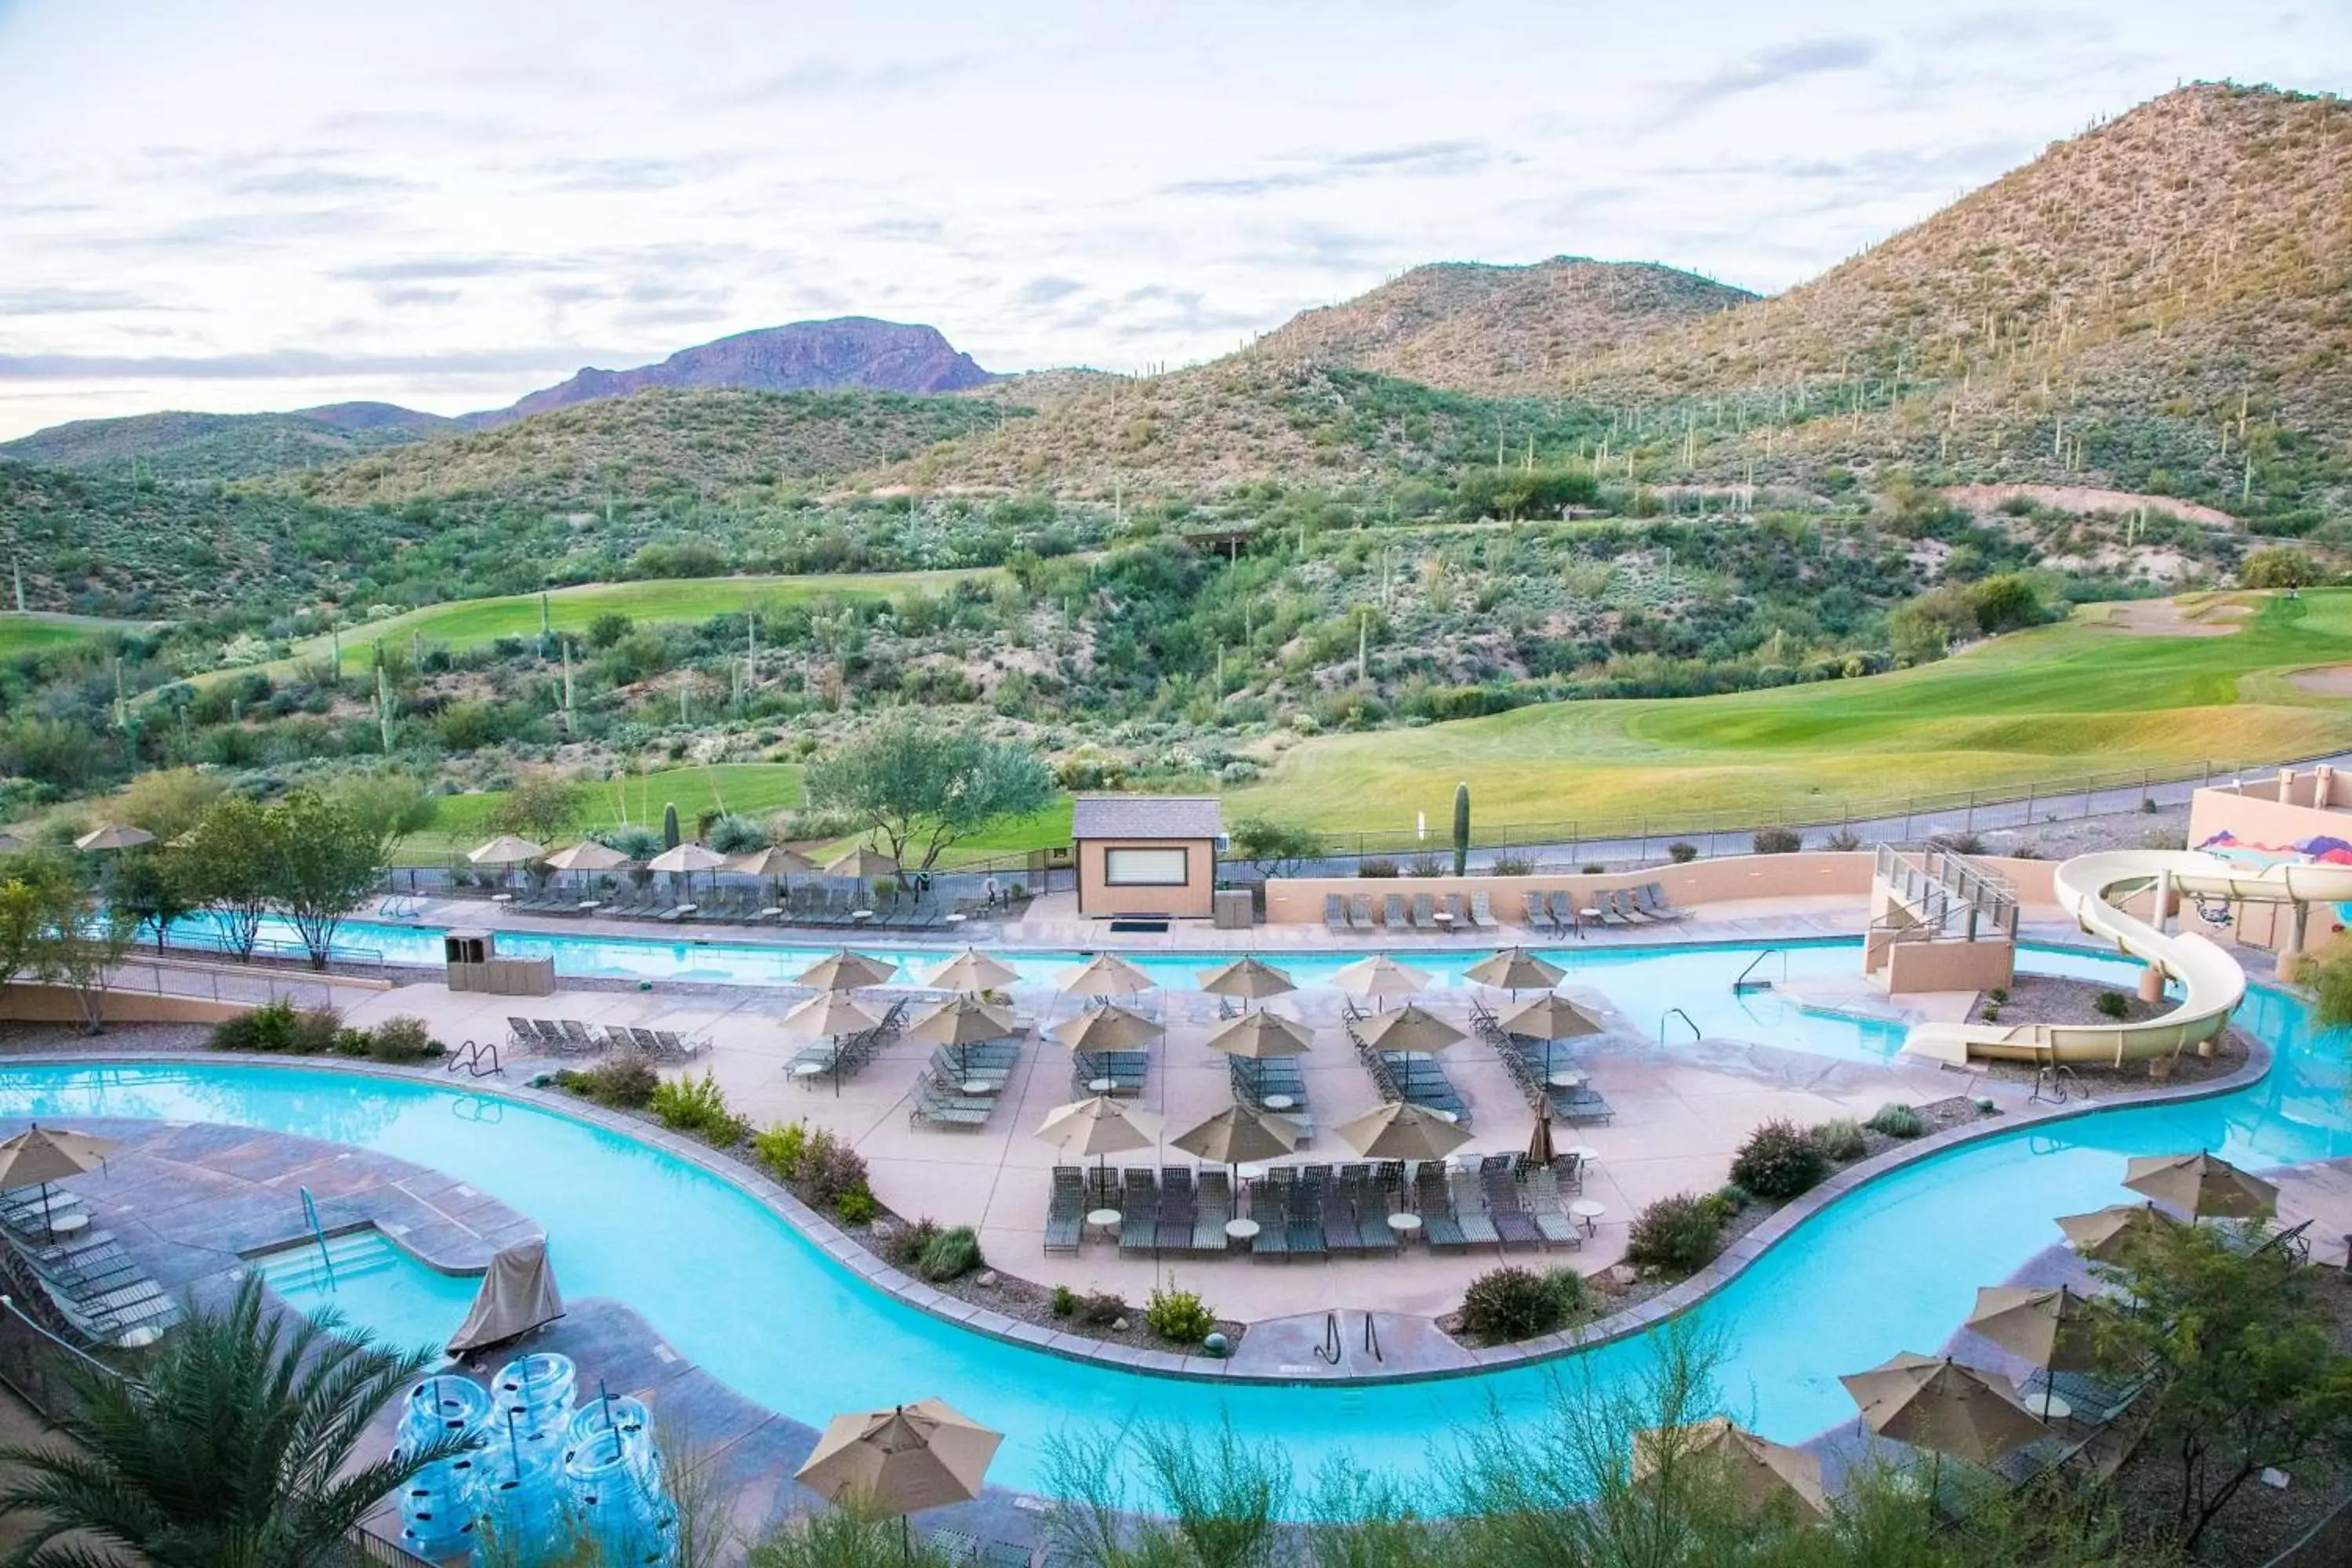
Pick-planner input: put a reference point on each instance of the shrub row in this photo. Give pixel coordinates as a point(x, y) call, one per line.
point(280, 1026)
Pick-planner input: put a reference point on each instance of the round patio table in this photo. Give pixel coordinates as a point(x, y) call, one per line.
point(1251, 1173)
point(979, 1085)
point(1103, 1220)
point(1566, 1081)
point(2051, 1407)
point(1240, 1230)
point(1102, 1085)
point(1589, 1211)
point(1406, 1226)
point(71, 1224)
point(1585, 1153)
point(861, 915)
point(808, 1069)
point(1278, 1102)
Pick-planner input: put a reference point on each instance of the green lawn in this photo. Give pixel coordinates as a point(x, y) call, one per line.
point(2041, 704)
point(746, 789)
point(469, 623)
point(35, 630)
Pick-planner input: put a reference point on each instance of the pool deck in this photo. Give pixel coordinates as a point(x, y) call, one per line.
point(1679, 1114)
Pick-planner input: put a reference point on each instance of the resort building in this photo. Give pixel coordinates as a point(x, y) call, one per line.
point(1147, 855)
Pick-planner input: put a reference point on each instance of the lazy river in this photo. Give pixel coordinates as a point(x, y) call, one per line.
point(1893, 1267)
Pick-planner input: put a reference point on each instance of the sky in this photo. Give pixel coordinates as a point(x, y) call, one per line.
point(247, 205)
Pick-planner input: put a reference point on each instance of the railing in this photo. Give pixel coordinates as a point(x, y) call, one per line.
point(319, 1233)
point(209, 979)
point(1372, 1339)
point(2055, 1084)
point(1744, 984)
point(1668, 1016)
point(270, 947)
point(469, 1057)
point(1941, 888)
point(1329, 1350)
point(363, 1548)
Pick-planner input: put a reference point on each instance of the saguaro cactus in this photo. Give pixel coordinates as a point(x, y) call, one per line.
point(670, 826)
point(1461, 828)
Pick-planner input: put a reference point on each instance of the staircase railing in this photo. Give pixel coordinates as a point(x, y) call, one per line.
point(319, 1233)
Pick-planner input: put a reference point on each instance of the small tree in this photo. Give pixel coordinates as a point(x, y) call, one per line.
point(150, 886)
point(169, 802)
point(541, 806)
point(79, 946)
point(2279, 567)
point(2247, 1376)
point(919, 787)
point(1273, 848)
point(225, 870)
point(325, 861)
point(393, 806)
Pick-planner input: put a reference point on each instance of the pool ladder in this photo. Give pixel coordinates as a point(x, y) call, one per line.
point(1333, 1348)
point(471, 1055)
point(1745, 984)
point(2055, 1084)
point(319, 1233)
point(1669, 1016)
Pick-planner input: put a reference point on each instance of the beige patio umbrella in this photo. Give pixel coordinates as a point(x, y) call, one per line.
point(847, 970)
point(1935, 1403)
point(1250, 979)
point(1540, 1153)
point(1516, 969)
point(901, 1460)
point(1106, 974)
point(964, 1021)
point(587, 855)
point(506, 849)
point(2202, 1187)
point(862, 862)
point(1259, 1036)
point(1402, 1131)
point(687, 859)
point(1101, 1127)
point(1550, 1019)
point(971, 972)
point(2049, 1325)
point(1379, 977)
point(40, 1155)
point(829, 1012)
point(1106, 1028)
point(1237, 1136)
point(2104, 1236)
point(1412, 1027)
point(1758, 1472)
point(773, 862)
point(113, 835)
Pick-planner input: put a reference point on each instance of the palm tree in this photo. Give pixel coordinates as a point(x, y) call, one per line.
point(232, 1450)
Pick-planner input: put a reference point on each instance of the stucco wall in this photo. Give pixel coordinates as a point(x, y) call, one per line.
point(58, 1004)
point(1298, 901)
point(1098, 899)
point(1913, 966)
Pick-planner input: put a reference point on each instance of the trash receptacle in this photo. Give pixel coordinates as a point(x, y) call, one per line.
point(1233, 908)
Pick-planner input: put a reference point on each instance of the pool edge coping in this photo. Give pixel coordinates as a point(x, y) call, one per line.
point(867, 1267)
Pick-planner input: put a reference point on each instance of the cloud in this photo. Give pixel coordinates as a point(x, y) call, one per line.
point(72, 301)
point(397, 299)
point(279, 363)
point(906, 228)
point(2018, 26)
point(317, 182)
point(631, 174)
point(435, 269)
point(836, 79)
point(1772, 68)
point(1420, 158)
point(249, 230)
point(1047, 290)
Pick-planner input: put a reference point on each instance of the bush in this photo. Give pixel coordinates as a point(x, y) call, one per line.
point(1682, 852)
point(1511, 866)
point(857, 1206)
point(1510, 1304)
point(1178, 1316)
point(1678, 1236)
point(1427, 865)
point(2111, 1005)
point(780, 1148)
point(1777, 841)
point(829, 1169)
point(1733, 1197)
point(1066, 1301)
point(268, 1027)
point(1897, 1120)
point(625, 1083)
point(404, 1040)
point(1841, 1139)
point(949, 1254)
point(698, 1105)
point(1846, 841)
point(1593, 868)
point(1957, 843)
point(320, 1029)
point(1779, 1161)
point(1101, 1307)
point(737, 836)
point(1376, 868)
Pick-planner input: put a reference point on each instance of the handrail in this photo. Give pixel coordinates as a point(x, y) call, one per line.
point(1329, 1350)
point(1671, 1013)
point(1741, 984)
point(1372, 1338)
point(469, 1057)
point(326, 1260)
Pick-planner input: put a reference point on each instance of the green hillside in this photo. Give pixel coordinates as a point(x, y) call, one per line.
point(184, 447)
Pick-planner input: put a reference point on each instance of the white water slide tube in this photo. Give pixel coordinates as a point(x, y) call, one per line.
point(2211, 983)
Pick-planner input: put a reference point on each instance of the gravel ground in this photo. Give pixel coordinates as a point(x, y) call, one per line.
point(2049, 999)
point(2167, 828)
point(38, 1039)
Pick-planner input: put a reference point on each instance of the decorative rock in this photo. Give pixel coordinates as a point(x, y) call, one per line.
point(1625, 1276)
point(1118, 1325)
point(986, 1280)
point(1216, 1344)
point(1985, 1102)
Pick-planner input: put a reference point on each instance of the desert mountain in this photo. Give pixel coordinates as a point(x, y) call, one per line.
point(1479, 327)
point(199, 447)
point(805, 356)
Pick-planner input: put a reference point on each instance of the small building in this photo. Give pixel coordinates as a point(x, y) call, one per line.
point(1147, 855)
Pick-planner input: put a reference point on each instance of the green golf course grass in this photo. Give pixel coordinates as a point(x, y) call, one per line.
point(32, 632)
point(2042, 704)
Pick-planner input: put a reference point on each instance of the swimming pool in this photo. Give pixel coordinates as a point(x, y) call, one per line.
point(1892, 1268)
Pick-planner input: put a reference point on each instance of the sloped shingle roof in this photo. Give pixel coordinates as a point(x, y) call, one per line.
point(1147, 816)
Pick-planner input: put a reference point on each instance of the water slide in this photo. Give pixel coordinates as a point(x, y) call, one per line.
point(2091, 888)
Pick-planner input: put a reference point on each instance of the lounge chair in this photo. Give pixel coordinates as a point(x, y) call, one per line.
point(1535, 917)
point(1564, 915)
point(1359, 913)
point(1438, 1228)
point(1651, 899)
point(1393, 905)
point(1424, 913)
point(676, 1046)
point(1213, 1205)
point(550, 1035)
point(1470, 1214)
point(576, 1037)
point(1604, 903)
point(1335, 913)
point(1462, 921)
point(1304, 1219)
point(1065, 1213)
point(1552, 1222)
point(520, 1031)
point(1138, 1216)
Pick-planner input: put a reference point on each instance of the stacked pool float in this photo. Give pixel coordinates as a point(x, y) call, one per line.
point(542, 1470)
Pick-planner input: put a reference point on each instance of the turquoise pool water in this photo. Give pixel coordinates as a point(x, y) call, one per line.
point(1893, 1267)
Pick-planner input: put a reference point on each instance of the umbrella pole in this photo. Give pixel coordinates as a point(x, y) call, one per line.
point(906, 1541)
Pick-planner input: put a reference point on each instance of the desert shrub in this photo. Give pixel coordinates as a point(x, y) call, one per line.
point(1841, 1139)
point(857, 1206)
point(1998, 994)
point(1511, 866)
point(830, 1168)
point(949, 1254)
point(2111, 1005)
point(737, 836)
point(1427, 865)
point(405, 1039)
point(354, 1042)
point(1101, 1307)
point(1733, 1197)
point(1777, 841)
point(1510, 1304)
point(1682, 852)
point(1846, 841)
point(1593, 868)
point(1376, 867)
point(1897, 1120)
point(1957, 843)
point(1178, 1316)
point(905, 1245)
point(1066, 1301)
point(698, 1105)
point(314, 1030)
point(780, 1148)
point(269, 1028)
point(1779, 1161)
point(625, 1083)
point(1678, 1236)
